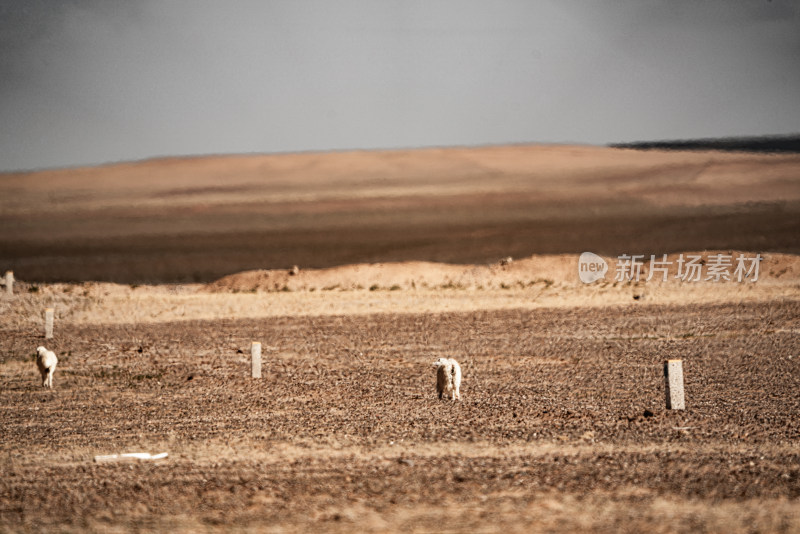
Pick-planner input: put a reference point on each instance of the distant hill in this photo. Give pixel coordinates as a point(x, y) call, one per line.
point(766, 144)
point(198, 219)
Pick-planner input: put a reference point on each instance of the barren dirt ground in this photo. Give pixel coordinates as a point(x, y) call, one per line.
point(562, 425)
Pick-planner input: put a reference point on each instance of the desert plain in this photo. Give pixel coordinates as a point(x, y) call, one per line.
point(355, 271)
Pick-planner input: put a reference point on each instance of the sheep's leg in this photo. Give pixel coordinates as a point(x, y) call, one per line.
point(50, 379)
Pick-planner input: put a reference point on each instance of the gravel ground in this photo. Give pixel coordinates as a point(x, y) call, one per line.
point(562, 425)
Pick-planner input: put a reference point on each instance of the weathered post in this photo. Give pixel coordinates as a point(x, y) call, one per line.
point(255, 359)
point(673, 380)
point(9, 283)
point(48, 323)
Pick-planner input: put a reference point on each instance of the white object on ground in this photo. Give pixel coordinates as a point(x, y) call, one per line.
point(46, 362)
point(49, 315)
point(255, 359)
point(673, 381)
point(9, 283)
point(448, 378)
point(129, 456)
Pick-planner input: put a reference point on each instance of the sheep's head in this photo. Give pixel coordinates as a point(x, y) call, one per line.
point(41, 350)
point(440, 362)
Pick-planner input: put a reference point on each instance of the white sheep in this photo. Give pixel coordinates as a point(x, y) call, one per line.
point(448, 378)
point(46, 362)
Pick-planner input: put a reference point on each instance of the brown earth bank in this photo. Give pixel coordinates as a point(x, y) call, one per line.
point(783, 269)
point(198, 219)
point(718, 277)
point(562, 425)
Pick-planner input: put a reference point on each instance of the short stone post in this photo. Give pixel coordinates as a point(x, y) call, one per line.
point(255, 359)
point(673, 380)
point(9, 283)
point(48, 323)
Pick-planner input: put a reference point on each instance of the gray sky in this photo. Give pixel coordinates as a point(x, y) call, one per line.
point(96, 81)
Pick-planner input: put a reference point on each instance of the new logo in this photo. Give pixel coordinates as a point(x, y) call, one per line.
point(591, 267)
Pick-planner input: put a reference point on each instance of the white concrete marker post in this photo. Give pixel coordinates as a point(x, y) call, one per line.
point(9, 283)
point(673, 380)
point(48, 323)
point(255, 359)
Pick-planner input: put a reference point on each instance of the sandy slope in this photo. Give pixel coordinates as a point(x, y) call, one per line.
point(551, 171)
point(411, 287)
point(547, 269)
point(199, 219)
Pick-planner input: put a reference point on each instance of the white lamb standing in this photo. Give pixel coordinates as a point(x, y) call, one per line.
point(46, 362)
point(448, 378)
